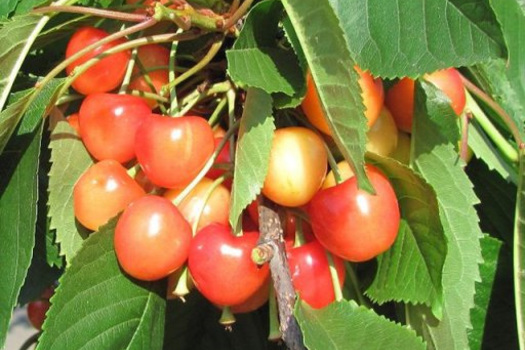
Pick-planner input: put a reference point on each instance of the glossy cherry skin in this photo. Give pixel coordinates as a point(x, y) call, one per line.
point(105, 75)
point(382, 136)
point(215, 208)
point(108, 123)
point(310, 273)
point(36, 312)
point(102, 192)
point(371, 91)
point(172, 151)
point(400, 97)
point(353, 224)
point(221, 265)
point(223, 158)
point(258, 299)
point(297, 166)
point(152, 238)
point(154, 58)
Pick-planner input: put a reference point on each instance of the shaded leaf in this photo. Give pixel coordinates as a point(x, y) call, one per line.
point(253, 152)
point(345, 325)
point(490, 248)
point(16, 36)
point(411, 270)
point(436, 159)
point(421, 36)
point(256, 59)
point(332, 71)
point(34, 102)
point(7, 7)
point(18, 212)
point(96, 306)
point(69, 160)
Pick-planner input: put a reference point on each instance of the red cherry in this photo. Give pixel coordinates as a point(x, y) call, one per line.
point(152, 238)
point(222, 158)
point(108, 123)
point(311, 274)
point(221, 265)
point(172, 151)
point(36, 312)
point(353, 224)
point(105, 75)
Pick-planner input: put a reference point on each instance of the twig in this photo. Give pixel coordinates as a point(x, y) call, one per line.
point(271, 248)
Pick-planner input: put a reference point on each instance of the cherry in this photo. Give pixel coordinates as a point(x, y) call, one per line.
point(105, 75)
point(221, 265)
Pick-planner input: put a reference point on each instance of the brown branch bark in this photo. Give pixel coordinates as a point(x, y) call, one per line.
point(271, 248)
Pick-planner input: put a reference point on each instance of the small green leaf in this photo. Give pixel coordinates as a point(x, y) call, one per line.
point(16, 36)
point(411, 37)
point(27, 5)
point(332, 70)
point(96, 306)
point(436, 159)
point(18, 213)
point(33, 102)
point(7, 7)
point(69, 160)
point(411, 271)
point(253, 151)
point(256, 59)
point(490, 248)
point(345, 325)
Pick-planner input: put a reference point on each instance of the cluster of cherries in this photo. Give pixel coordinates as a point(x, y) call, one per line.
point(168, 221)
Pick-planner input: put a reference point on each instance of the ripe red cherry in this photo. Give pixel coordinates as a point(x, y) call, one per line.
point(400, 97)
point(255, 301)
point(311, 274)
point(105, 75)
point(221, 265)
point(353, 224)
point(172, 151)
point(36, 312)
point(223, 158)
point(102, 192)
point(108, 123)
point(152, 238)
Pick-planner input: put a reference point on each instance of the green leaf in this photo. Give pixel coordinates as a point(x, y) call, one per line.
point(411, 271)
point(345, 325)
point(16, 36)
point(253, 151)
point(332, 70)
point(18, 212)
point(256, 59)
point(69, 160)
point(96, 306)
point(436, 159)
point(512, 20)
point(6, 7)
point(519, 253)
point(27, 5)
point(490, 248)
point(485, 150)
point(33, 102)
point(411, 37)
point(498, 198)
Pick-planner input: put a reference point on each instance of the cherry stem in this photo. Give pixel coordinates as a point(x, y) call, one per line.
point(333, 165)
point(214, 118)
point(496, 108)
point(500, 141)
point(174, 105)
point(121, 16)
point(231, 96)
point(216, 183)
point(463, 149)
point(239, 12)
point(181, 288)
point(227, 317)
point(129, 71)
point(274, 333)
point(335, 277)
point(149, 82)
point(68, 98)
point(299, 236)
point(206, 167)
point(354, 280)
point(30, 341)
point(199, 94)
point(234, 6)
point(149, 95)
point(214, 49)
